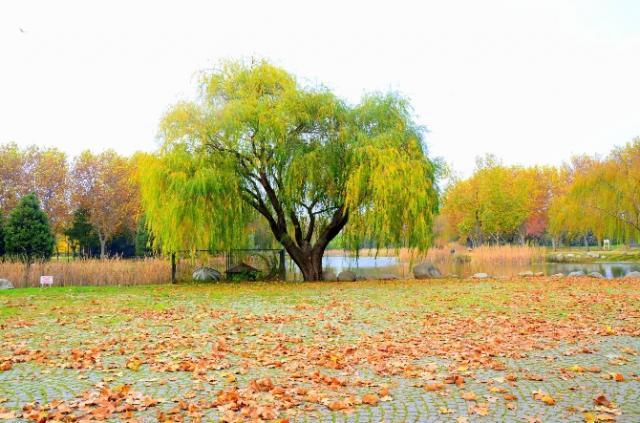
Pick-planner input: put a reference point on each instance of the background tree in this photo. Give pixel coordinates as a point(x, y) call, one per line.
point(11, 176)
point(81, 233)
point(257, 141)
point(48, 178)
point(608, 191)
point(43, 171)
point(2, 248)
point(104, 185)
point(28, 234)
point(143, 239)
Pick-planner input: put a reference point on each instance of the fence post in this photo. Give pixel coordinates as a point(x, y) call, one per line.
point(283, 270)
point(173, 267)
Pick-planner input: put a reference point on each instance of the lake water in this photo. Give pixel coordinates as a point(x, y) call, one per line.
point(376, 266)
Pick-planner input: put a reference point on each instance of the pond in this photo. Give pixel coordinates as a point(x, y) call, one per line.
point(376, 266)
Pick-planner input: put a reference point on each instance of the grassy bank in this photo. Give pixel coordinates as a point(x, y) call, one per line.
point(593, 256)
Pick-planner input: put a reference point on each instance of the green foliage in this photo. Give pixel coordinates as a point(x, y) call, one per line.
point(499, 203)
point(605, 193)
point(2, 248)
point(256, 142)
point(142, 239)
point(28, 233)
point(81, 234)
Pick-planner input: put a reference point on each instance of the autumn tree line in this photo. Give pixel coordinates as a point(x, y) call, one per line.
point(91, 201)
point(584, 201)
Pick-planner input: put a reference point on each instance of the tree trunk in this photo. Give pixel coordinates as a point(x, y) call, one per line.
point(27, 272)
point(311, 268)
point(586, 242)
point(308, 260)
point(103, 247)
point(308, 257)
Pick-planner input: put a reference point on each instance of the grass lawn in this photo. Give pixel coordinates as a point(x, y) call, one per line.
point(447, 350)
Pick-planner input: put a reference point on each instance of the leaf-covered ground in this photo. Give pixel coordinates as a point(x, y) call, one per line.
point(449, 350)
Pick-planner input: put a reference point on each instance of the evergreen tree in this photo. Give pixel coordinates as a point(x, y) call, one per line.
point(28, 234)
point(81, 233)
point(1, 235)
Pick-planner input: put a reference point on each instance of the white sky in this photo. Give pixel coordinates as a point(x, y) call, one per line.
point(530, 81)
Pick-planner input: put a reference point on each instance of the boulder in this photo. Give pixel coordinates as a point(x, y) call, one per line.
point(576, 274)
point(632, 275)
point(5, 284)
point(526, 274)
point(328, 275)
point(205, 274)
point(347, 276)
point(593, 255)
point(558, 275)
point(596, 275)
point(426, 270)
point(480, 276)
point(387, 277)
point(538, 274)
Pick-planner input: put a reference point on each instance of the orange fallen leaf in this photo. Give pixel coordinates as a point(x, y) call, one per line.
point(602, 400)
point(469, 396)
point(370, 399)
point(432, 387)
point(481, 409)
point(548, 399)
point(338, 405)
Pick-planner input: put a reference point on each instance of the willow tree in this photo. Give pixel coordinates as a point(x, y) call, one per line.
point(609, 192)
point(256, 141)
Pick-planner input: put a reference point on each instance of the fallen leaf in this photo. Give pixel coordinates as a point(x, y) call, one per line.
point(432, 387)
point(602, 400)
point(469, 396)
point(133, 364)
point(370, 399)
point(338, 405)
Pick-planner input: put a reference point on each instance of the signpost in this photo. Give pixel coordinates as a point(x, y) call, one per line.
point(46, 280)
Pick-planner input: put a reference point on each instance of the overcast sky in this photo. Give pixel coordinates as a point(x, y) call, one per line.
point(530, 81)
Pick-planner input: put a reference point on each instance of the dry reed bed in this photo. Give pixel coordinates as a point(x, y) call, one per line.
point(157, 270)
point(455, 258)
point(90, 272)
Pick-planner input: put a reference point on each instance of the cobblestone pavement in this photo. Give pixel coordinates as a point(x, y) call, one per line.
point(65, 342)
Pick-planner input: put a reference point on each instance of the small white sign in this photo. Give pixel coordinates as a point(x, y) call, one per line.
point(46, 280)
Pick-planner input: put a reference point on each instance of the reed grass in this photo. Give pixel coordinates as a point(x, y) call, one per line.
point(456, 259)
point(84, 272)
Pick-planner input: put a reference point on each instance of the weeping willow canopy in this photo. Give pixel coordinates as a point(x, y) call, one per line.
point(256, 141)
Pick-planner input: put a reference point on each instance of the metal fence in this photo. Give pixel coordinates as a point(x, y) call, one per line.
point(240, 264)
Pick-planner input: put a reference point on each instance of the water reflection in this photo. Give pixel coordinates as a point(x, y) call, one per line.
point(372, 267)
